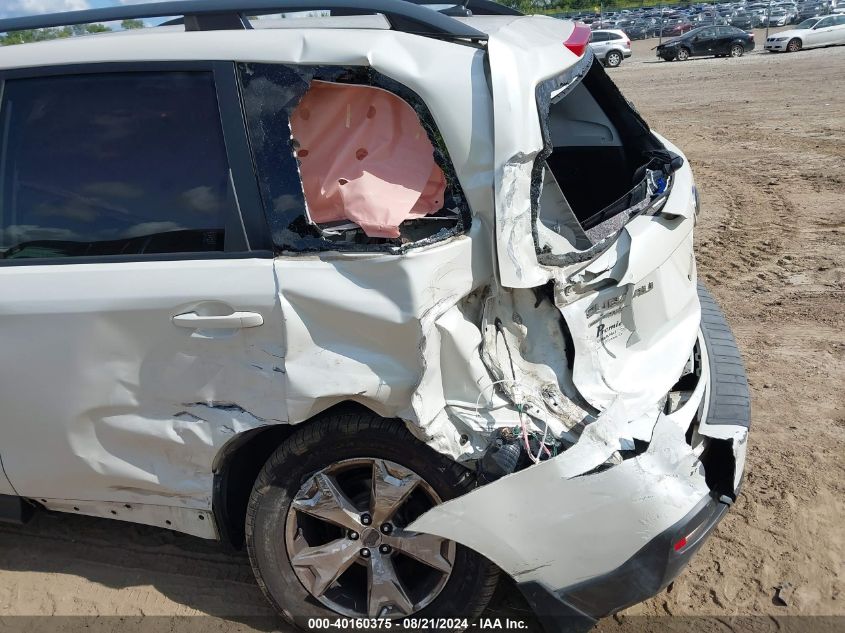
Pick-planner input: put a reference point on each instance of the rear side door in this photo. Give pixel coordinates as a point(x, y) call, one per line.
point(139, 320)
point(838, 30)
point(727, 35)
point(704, 41)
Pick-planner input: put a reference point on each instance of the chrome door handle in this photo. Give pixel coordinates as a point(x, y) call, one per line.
point(229, 321)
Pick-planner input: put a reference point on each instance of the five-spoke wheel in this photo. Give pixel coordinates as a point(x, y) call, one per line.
point(327, 526)
point(346, 539)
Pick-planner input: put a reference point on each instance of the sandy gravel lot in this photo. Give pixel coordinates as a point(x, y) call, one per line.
point(766, 137)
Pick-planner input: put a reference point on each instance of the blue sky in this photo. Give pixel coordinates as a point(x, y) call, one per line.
point(13, 8)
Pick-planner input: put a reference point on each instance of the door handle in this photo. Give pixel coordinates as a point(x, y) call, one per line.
point(229, 321)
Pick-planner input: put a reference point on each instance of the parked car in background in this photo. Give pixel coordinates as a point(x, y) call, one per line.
point(791, 9)
point(610, 46)
point(639, 30)
point(677, 28)
point(705, 20)
point(824, 31)
point(741, 20)
point(778, 17)
point(811, 10)
point(839, 7)
point(719, 41)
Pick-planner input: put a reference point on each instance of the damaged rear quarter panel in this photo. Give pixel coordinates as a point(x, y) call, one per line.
point(518, 135)
point(364, 326)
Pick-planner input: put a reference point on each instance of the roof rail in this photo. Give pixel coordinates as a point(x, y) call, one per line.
point(474, 7)
point(210, 15)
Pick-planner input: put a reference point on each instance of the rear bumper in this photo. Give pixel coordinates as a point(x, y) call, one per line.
point(649, 571)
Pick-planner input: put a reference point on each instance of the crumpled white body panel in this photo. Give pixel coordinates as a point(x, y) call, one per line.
point(593, 521)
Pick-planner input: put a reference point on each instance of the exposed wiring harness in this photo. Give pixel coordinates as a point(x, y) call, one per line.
point(523, 430)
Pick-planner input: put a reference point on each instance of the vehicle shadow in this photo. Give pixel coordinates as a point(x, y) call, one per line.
point(85, 566)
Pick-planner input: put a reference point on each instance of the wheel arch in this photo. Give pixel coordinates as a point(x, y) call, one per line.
point(239, 462)
point(795, 37)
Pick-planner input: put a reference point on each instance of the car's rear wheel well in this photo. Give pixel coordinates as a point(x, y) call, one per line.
point(238, 466)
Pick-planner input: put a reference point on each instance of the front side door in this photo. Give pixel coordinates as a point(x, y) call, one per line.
point(821, 34)
point(139, 324)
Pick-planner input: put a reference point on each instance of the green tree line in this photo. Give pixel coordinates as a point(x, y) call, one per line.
point(572, 6)
point(41, 35)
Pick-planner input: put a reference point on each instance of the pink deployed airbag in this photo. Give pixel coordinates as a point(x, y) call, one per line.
point(364, 157)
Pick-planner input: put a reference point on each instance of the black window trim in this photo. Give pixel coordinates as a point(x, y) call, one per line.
point(247, 232)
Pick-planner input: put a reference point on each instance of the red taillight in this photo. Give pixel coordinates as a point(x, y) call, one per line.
point(579, 39)
point(752, 35)
point(680, 543)
point(628, 44)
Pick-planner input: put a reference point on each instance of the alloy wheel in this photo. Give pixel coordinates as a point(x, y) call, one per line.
point(683, 55)
point(736, 50)
point(347, 543)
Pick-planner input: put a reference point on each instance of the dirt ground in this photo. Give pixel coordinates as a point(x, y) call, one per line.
point(766, 137)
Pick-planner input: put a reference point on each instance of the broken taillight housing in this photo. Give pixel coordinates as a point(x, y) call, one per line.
point(579, 39)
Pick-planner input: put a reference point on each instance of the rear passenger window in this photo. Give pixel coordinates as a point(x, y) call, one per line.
point(112, 164)
point(348, 159)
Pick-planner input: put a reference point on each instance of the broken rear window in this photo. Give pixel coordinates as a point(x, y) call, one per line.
point(348, 159)
point(601, 164)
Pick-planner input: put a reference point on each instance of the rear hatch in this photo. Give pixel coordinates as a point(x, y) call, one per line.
point(593, 207)
point(574, 160)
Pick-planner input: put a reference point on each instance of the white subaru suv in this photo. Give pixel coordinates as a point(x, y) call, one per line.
point(402, 299)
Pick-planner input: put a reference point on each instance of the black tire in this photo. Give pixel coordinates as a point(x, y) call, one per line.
point(318, 445)
point(794, 45)
point(729, 401)
point(613, 59)
point(737, 50)
point(682, 55)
